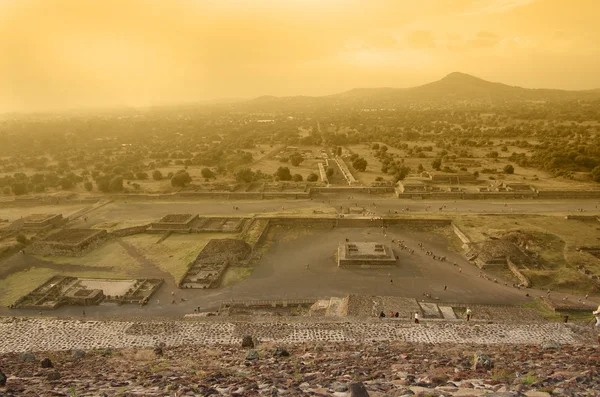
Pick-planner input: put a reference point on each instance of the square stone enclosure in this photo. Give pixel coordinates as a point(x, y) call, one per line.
point(175, 222)
point(68, 242)
point(365, 254)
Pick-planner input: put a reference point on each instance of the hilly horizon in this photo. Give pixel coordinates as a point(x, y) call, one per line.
point(454, 87)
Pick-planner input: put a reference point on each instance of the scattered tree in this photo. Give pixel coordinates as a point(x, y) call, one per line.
point(596, 173)
point(88, 186)
point(207, 173)
point(180, 179)
point(297, 178)
point(436, 164)
point(21, 239)
point(283, 174)
point(157, 175)
point(244, 175)
point(360, 164)
point(509, 169)
point(296, 159)
point(116, 184)
point(312, 177)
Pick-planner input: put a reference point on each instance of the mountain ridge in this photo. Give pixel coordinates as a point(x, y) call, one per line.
point(454, 87)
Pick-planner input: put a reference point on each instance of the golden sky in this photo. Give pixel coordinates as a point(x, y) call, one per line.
point(92, 53)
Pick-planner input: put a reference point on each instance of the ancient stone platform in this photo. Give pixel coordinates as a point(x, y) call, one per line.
point(28, 334)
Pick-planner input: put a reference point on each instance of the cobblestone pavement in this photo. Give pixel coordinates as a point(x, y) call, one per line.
point(23, 334)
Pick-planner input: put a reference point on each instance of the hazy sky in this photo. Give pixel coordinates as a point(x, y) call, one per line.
point(82, 53)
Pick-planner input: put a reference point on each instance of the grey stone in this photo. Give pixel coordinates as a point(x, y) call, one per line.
point(358, 390)
point(54, 375)
point(247, 341)
point(339, 387)
point(46, 363)
point(482, 361)
point(281, 352)
point(27, 357)
point(252, 355)
point(77, 354)
point(550, 344)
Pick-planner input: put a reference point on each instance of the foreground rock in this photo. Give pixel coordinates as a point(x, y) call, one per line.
point(319, 369)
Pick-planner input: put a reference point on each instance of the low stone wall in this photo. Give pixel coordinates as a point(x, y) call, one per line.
point(129, 231)
point(569, 194)
point(353, 189)
point(584, 218)
point(459, 233)
point(359, 222)
point(466, 195)
point(515, 270)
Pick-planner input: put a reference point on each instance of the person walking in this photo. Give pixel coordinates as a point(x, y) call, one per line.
point(468, 313)
point(416, 318)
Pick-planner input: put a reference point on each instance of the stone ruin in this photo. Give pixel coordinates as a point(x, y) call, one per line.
point(42, 222)
point(188, 223)
point(178, 223)
point(496, 252)
point(207, 270)
point(62, 290)
point(365, 254)
point(220, 225)
point(68, 242)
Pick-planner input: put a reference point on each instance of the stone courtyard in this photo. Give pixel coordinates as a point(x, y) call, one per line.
point(35, 334)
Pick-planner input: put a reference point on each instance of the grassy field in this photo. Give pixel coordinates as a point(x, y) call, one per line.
point(173, 254)
point(110, 256)
point(548, 314)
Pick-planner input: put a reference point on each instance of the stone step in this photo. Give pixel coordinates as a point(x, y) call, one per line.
point(430, 310)
point(448, 313)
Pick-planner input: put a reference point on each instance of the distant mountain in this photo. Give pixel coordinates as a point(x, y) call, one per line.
point(454, 88)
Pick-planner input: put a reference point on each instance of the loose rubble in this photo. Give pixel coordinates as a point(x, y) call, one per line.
point(341, 369)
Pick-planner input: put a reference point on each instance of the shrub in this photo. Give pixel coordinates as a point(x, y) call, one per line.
point(509, 169)
point(207, 173)
point(283, 174)
point(180, 179)
point(360, 164)
point(22, 239)
point(312, 177)
point(157, 175)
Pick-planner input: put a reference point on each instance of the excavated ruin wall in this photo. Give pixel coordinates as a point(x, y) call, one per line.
point(569, 194)
point(350, 190)
point(62, 249)
point(515, 270)
point(358, 222)
point(129, 231)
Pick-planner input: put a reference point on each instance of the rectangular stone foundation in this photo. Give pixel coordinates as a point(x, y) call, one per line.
point(365, 254)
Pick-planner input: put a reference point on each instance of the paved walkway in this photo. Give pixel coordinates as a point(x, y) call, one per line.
point(27, 334)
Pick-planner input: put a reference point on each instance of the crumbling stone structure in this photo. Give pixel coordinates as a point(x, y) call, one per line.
point(68, 242)
point(207, 270)
point(61, 290)
point(178, 223)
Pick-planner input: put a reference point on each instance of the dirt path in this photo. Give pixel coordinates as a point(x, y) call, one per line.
point(20, 262)
point(151, 269)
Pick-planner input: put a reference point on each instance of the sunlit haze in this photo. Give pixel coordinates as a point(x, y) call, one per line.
point(63, 54)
